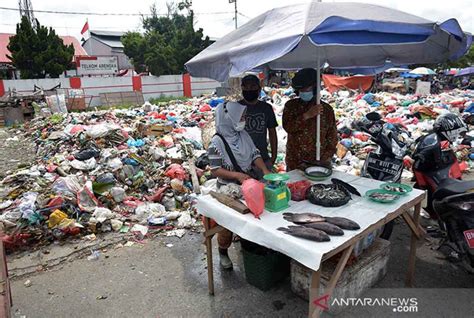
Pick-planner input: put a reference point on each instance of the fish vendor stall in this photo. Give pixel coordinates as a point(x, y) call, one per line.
point(358, 218)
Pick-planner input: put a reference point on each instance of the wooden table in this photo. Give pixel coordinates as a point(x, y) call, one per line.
point(314, 311)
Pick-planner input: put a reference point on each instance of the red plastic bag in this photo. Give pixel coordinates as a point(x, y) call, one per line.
point(298, 190)
point(176, 171)
point(254, 196)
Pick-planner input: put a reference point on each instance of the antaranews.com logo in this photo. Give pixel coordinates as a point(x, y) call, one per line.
point(398, 304)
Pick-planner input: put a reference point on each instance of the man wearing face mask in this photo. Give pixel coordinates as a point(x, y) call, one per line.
point(260, 119)
point(299, 121)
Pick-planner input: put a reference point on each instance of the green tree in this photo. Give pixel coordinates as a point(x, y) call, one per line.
point(39, 52)
point(464, 61)
point(167, 43)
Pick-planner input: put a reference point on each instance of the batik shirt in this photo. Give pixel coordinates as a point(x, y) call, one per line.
point(301, 144)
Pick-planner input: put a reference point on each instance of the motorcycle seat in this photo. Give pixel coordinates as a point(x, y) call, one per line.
point(449, 187)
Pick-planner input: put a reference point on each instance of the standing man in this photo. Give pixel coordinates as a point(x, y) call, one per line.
point(299, 121)
point(260, 119)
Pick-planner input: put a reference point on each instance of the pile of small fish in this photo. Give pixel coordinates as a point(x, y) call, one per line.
point(315, 227)
point(393, 188)
point(331, 195)
point(383, 196)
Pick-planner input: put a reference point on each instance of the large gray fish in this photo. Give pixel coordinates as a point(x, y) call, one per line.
point(306, 233)
point(343, 223)
point(329, 228)
point(346, 185)
point(302, 218)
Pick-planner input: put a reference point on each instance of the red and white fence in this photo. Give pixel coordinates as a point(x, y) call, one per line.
point(150, 86)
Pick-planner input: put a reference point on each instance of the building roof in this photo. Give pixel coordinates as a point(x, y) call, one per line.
point(5, 39)
point(109, 38)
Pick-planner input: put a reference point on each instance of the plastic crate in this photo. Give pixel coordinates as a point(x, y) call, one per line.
point(264, 268)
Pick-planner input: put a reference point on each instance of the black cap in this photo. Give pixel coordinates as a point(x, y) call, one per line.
point(252, 79)
point(304, 78)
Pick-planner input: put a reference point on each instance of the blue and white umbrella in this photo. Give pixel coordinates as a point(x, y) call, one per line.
point(344, 35)
point(423, 71)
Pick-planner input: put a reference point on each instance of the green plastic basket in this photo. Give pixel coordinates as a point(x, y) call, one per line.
point(265, 270)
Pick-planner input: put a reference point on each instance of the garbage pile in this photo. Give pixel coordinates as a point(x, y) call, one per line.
point(131, 171)
point(126, 171)
point(415, 114)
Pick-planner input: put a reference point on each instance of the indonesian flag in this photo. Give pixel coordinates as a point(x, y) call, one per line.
point(85, 28)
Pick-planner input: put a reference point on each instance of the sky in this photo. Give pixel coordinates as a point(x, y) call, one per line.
point(215, 17)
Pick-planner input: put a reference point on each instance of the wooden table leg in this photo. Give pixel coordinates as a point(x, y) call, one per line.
point(412, 255)
point(210, 270)
point(314, 291)
point(341, 264)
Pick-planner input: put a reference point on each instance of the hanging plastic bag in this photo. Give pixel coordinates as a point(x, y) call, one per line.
point(252, 191)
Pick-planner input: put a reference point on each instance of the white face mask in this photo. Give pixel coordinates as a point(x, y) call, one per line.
point(240, 126)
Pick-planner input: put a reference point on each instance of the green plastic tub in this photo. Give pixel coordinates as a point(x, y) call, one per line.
point(264, 268)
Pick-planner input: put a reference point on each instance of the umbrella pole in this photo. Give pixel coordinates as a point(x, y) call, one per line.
point(318, 118)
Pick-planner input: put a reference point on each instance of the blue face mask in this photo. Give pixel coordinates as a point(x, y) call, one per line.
point(306, 96)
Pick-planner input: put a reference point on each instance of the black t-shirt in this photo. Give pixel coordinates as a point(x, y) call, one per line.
point(259, 118)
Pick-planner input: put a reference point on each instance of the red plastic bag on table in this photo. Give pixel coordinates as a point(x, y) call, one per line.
point(298, 189)
point(252, 191)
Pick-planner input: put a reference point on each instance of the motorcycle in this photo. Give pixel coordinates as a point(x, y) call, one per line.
point(450, 200)
point(385, 163)
point(435, 161)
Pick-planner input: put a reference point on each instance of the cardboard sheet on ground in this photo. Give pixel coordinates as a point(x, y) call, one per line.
point(264, 231)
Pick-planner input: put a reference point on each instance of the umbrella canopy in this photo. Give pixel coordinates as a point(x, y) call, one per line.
point(397, 69)
point(345, 35)
point(466, 71)
point(452, 71)
point(410, 75)
point(422, 71)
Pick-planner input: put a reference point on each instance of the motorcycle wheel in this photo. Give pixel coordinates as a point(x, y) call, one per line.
point(387, 230)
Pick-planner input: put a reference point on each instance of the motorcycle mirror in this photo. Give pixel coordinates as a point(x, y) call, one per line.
point(373, 116)
point(469, 120)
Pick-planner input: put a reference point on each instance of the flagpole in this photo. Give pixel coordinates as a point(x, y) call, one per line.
point(89, 30)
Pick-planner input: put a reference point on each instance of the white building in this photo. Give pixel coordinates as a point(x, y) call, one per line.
point(107, 43)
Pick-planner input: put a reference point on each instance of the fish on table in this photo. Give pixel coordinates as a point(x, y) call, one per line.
point(302, 218)
point(343, 223)
point(327, 227)
point(306, 233)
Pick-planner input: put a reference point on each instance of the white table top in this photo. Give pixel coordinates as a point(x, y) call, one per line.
point(264, 231)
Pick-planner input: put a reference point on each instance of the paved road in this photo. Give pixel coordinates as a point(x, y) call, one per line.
point(154, 280)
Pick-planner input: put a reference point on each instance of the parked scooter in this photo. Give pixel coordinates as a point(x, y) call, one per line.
point(450, 200)
point(434, 159)
point(385, 163)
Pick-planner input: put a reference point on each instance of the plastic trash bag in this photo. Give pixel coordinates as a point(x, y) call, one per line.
point(135, 142)
point(86, 199)
point(56, 217)
point(176, 171)
point(102, 214)
point(27, 205)
point(87, 153)
point(68, 186)
point(252, 190)
point(85, 165)
point(115, 164)
point(298, 190)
